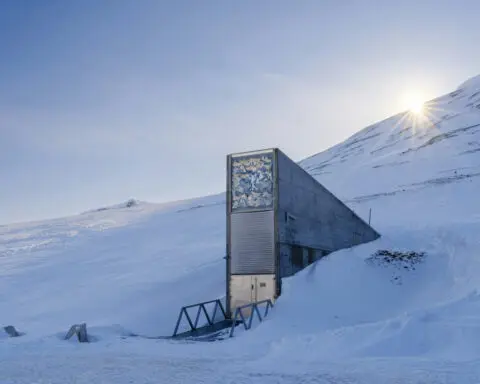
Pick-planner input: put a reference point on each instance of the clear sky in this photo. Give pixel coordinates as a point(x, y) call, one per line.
point(103, 100)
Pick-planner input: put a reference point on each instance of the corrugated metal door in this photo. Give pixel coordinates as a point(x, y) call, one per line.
point(252, 243)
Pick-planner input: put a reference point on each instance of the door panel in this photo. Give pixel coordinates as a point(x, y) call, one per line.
point(245, 289)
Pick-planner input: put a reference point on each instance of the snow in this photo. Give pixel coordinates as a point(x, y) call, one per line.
point(471, 84)
point(116, 275)
point(128, 270)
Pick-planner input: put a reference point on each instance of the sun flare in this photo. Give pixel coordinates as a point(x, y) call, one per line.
point(415, 102)
point(419, 112)
point(416, 107)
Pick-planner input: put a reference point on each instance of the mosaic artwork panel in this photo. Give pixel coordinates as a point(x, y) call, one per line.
point(252, 182)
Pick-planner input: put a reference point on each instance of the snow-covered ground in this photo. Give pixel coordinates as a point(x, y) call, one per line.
point(127, 270)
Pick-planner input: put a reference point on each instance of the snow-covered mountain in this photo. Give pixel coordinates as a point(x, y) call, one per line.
point(129, 269)
point(407, 152)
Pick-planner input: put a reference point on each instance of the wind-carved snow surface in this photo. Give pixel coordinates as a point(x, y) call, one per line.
point(128, 270)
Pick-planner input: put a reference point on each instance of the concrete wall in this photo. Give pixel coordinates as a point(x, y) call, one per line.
point(310, 216)
point(286, 268)
point(251, 259)
point(306, 215)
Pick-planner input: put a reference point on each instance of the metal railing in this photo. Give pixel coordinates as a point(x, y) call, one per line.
point(201, 308)
point(247, 322)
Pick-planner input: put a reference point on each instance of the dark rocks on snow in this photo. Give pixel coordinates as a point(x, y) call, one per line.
point(399, 261)
point(131, 203)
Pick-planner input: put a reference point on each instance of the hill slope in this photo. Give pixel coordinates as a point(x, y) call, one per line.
point(407, 152)
point(341, 320)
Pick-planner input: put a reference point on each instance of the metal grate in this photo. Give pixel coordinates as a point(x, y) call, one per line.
point(252, 243)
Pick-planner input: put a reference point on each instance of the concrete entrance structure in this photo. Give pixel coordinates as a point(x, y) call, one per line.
point(279, 220)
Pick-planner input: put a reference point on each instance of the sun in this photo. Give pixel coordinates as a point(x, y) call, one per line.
point(414, 101)
point(416, 107)
point(418, 111)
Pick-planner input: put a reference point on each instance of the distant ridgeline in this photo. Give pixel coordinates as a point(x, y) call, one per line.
point(128, 204)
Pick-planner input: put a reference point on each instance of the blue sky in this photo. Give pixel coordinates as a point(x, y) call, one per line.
point(101, 101)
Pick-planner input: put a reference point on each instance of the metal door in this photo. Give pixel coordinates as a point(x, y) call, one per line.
point(263, 287)
point(250, 288)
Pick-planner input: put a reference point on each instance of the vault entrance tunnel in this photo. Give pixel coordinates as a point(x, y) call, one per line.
point(279, 220)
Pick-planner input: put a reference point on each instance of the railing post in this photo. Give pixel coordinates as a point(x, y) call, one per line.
point(197, 317)
point(206, 314)
point(222, 309)
point(250, 319)
point(265, 313)
point(215, 311)
point(178, 322)
point(254, 309)
point(258, 313)
point(244, 321)
point(188, 318)
point(234, 323)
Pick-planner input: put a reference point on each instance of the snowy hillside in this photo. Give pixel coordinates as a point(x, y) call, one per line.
point(117, 265)
point(342, 320)
point(407, 152)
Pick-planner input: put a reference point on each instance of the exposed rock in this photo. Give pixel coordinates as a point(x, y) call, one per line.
point(400, 261)
point(11, 331)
